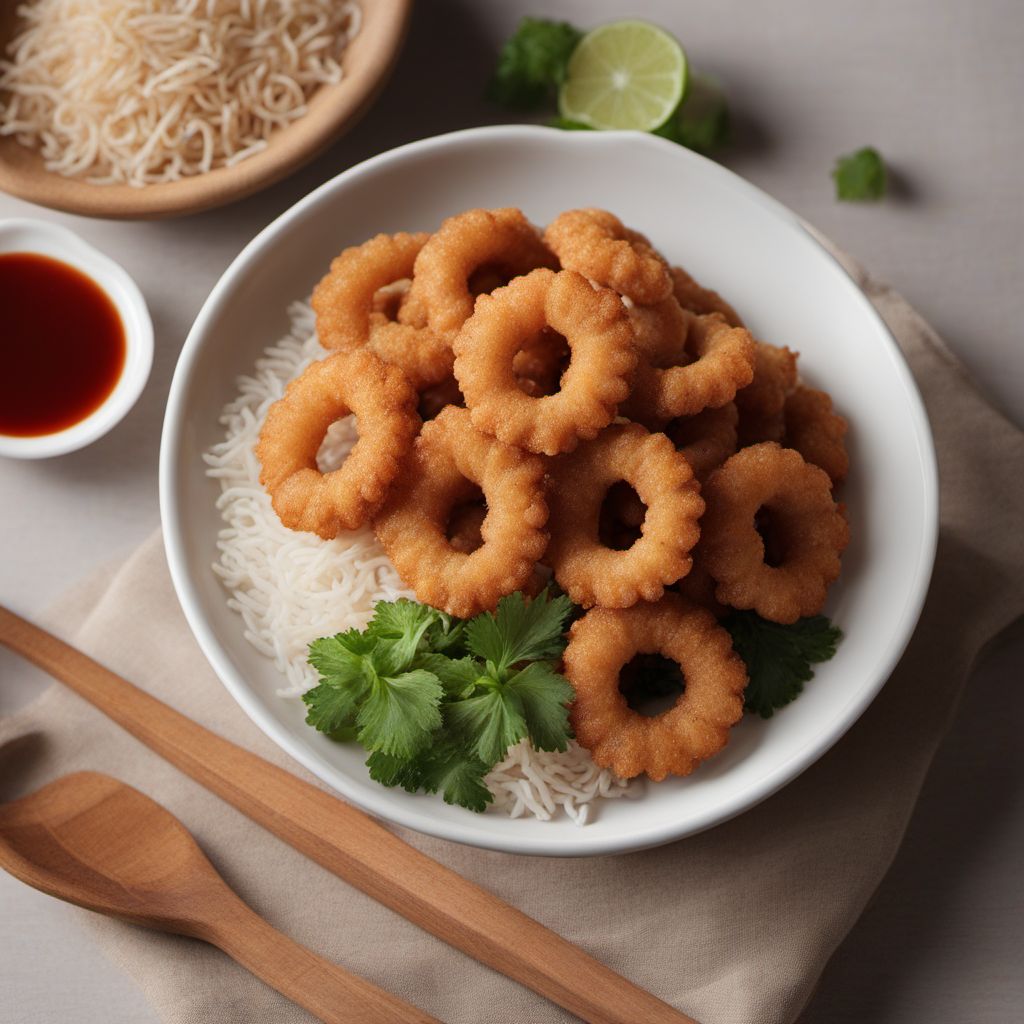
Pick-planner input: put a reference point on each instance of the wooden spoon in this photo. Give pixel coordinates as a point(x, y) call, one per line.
point(351, 844)
point(94, 841)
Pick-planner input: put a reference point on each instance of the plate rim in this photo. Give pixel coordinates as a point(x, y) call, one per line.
point(657, 833)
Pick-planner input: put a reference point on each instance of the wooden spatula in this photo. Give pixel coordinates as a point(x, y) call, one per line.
point(352, 845)
point(94, 841)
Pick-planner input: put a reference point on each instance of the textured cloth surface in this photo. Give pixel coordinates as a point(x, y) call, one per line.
point(733, 925)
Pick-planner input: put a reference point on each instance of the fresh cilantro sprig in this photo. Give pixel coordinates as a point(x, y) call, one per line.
point(532, 63)
point(437, 702)
point(779, 658)
point(860, 176)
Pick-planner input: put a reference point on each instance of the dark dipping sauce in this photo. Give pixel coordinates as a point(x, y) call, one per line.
point(62, 345)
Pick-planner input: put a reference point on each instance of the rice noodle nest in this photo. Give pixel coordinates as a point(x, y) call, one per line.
point(676, 741)
point(723, 363)
point(348, 305)
point(596, 326)
point(817, 432)
point(384, 405)
point(807, 525)
point(502, 240)
point(594, 574)
point(598, 245)
point(449, 460)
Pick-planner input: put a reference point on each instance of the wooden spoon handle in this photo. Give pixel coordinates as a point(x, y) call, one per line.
point(329, 992)
point(353, 846)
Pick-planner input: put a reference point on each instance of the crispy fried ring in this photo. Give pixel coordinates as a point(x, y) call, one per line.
point(707, 439)
point(598, 245)
point(440, 293)
point(761, 404)
point(678, 740)
point(384, 405)
point(346, 301)
point(412, 524)
point(592, 573)
point(661, 331)
point(816, 431)
point(697, 299)
point(723, 363)
point(596, 326)
point(538, 366)
point(808, 528)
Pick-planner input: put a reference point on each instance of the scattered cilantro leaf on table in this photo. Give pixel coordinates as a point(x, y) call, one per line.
point(860, 176)
point(437, 702)
point(531, 64)
point(778, 657)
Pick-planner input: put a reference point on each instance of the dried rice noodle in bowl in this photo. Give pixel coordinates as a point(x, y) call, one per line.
point(291, 588)
point(147, 91)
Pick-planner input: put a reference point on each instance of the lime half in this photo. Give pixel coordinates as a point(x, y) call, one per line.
point(629, 74)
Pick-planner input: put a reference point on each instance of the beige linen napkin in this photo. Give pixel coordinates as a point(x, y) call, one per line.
point(734, 925)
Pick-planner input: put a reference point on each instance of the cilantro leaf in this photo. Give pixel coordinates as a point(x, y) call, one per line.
point(447, 636)
point(519, 630)
point(861, 175)
point(448, 768)
point(404, 623)
point(488, 723)
point(701, 122)
point(779, 658)
point(457, 676)
point(568, 125)
point(399, 713)
point(544, 695)
point(340, 657)
point(532, 63)
point(389, 770)
point(458, 775)
point(330, 707)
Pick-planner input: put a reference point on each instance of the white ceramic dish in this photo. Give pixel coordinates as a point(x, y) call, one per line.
point(731, 236)
point(59, 243)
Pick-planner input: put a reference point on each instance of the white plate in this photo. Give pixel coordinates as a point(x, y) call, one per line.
point(729, 235)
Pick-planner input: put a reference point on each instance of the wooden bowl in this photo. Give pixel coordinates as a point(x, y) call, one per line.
point(332, 110)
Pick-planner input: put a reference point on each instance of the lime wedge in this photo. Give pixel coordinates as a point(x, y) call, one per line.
point(629, 74)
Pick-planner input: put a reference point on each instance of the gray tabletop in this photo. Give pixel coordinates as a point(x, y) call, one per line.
point(935, 85)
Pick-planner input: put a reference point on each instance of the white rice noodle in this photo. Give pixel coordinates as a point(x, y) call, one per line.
point(146, 91)
point(291, 588)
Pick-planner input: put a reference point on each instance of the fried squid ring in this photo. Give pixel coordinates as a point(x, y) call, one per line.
point(661, 331)
point(698, 587)
point(347, 304)
point(697, 299)
point(412, 526)
point(806, 529)
point(723, 363)
point(538, 366)
point(816, 431)
point(676, 741)
point(500, 240)
point(592, 573)
point(761, 404)
point(598, 245)
point(384, 404)
point(596, 327)
point(434, 399)
point(707, 439)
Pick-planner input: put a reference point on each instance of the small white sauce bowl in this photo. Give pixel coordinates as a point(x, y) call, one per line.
point(59, 243)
